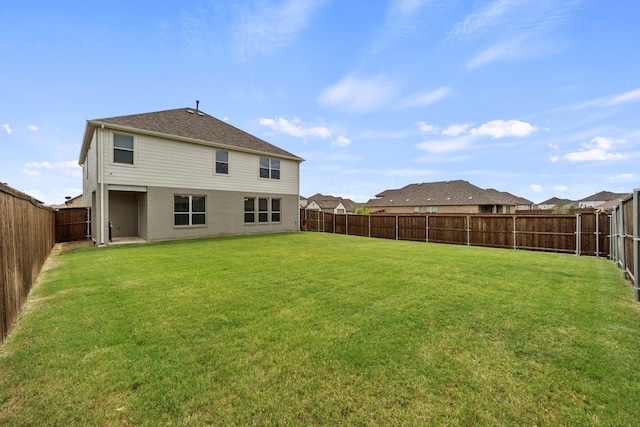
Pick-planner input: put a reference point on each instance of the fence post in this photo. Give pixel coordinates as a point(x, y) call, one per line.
point(623, 250)
point(515, 232)
point(369, 225)
point(397, 230)
point(346, 224)
point(427, 228)
point(468, 231)
point(597, 234)
point(636, 244)
point(613, 238)
point(578, 227)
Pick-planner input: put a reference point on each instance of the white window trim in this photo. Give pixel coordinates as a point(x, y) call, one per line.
point(215, 163)
point(270, 169)
point(190, 212)
point(113, 149)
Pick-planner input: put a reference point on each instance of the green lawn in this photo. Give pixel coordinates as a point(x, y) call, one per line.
point(321, 329)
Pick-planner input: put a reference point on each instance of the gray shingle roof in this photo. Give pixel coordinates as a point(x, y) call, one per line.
point(186, 123)
point(443, 193)
point(604, 196)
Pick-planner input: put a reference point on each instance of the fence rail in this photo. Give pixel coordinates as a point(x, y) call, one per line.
point(583, 233)
point(27, 234)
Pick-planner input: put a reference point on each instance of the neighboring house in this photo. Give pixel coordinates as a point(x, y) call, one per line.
point(521, 203)
point(328, 204)
point(554, 201)
point(303, 202)
point(441, 197)
point(601, 198)
point(71, 202)
point(181, 173)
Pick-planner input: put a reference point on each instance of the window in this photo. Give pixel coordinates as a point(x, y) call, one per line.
point(431, 209)
point(123, 148)
point(249, 210)
point(269, 168)
point(222, 162)
point(416, 209)
point(263, 210)
point(275, 210)
point(269, 210)
point(189, 210)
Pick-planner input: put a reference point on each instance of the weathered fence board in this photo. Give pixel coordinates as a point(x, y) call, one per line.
point(27, 234)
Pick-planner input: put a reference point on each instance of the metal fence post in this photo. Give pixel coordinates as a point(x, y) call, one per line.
point(346, 224)
point(578, 226)
point(515, 232)
point(636, 244)
point(369, 225)
point(613, 238)
point(397, 229)
point(468, 231)
point(427, 228)
point(597, 234)
point(621, 235)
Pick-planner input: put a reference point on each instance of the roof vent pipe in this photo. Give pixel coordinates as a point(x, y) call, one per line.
point(197, 103)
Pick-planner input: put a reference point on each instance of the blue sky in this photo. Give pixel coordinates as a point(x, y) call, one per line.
point(538, 98)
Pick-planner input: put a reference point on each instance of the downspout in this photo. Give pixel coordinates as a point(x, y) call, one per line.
point(101, 177)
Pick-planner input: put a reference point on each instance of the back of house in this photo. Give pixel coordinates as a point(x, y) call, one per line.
point(181, 173)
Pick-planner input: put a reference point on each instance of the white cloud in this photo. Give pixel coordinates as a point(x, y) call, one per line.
point(69, 168)
point(270, 26)
point(560, 188)
point(360, 95)
point(625, 177)
point(554, 159)
point(426, 128)
point(341, 141)
point(515, 29)
point(33, 128)
point(630, 96)
point(295, 128)
point(455, 130)
point(38, 165)
point(446, 145)
point(479, 22)
point(424, 99)
point(598, 149)
point(7, 128)
point(536, 188)
point(501, 129)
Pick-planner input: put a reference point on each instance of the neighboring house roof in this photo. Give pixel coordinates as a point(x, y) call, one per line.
point(185, 124)
point(556, 201)
point(508, 197)
point(610, 204)
point(604, 196)
point(327, 201)
point(443, 193)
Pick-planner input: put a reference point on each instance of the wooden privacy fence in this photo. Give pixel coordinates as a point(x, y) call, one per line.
point(73, 224)
point(585, 234)
point(27, 234)
point(625, 239)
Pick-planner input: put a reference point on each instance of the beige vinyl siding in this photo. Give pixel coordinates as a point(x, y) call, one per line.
point(166, 163)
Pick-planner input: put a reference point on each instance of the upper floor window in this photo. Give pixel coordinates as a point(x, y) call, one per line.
point(222, 162)
point(189, 210)
point(269, 168)
point(123, 148)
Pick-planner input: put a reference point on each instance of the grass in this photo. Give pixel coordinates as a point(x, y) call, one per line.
point(321, 329)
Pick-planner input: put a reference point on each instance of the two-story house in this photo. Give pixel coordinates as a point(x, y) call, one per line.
point(180, 174)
